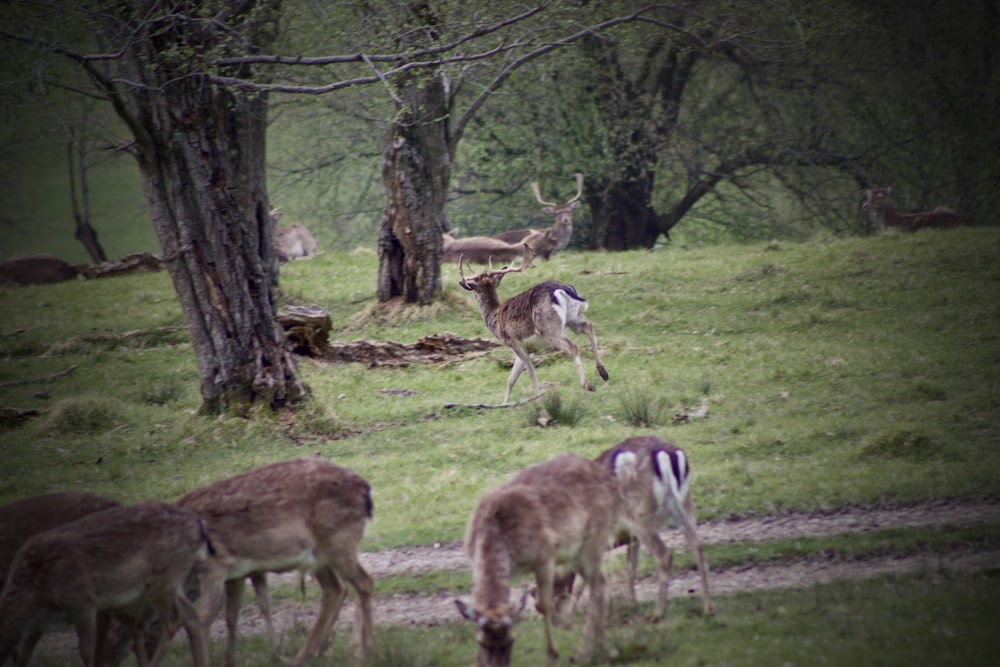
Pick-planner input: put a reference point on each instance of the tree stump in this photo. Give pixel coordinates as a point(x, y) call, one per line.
point(307, 329)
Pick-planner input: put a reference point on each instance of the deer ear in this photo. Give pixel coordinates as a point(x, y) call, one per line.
point(468, 614)
point(575, 204)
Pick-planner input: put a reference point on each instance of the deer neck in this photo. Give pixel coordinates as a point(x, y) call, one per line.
point(489, 304)
point(491, 576)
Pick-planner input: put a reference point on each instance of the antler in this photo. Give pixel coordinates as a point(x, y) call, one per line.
point(579, 192)
point(525, 263)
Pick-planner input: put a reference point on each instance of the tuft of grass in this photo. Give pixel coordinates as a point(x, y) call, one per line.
point(906, 445)
point(81, 415)
point(641, 407)
point(553, 409)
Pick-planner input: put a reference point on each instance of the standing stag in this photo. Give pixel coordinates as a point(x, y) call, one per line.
point(877, 201)
point(561, 231)
point(561, 513)
point(305, 514)
point(532, 318)
point(116, 562)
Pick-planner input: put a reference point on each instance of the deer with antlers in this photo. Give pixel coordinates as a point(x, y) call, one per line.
point(877, 202)
point(117, 562)
point(558, 513)
point(304, 514)
point(292, 241)
point(561, 231)
point(534, 317)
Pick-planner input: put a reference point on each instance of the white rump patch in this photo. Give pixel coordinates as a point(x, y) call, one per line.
point(567, 308)
point(624, 463)
point(671, 491)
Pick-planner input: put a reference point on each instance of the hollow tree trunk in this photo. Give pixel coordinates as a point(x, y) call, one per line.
point(623, 216)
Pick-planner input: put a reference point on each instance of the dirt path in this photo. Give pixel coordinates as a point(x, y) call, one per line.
point(428, 610)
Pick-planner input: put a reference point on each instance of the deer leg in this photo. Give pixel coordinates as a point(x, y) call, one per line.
point(22, 654)
point(234, 600)
point(259, 581)
point(632, 565)
point(694, 543)
point(544, 581)
point(522, 361)
point(593, 634)
point(566, 345)
point(361, 582)
point(85, 622)
point(331, 600)
point(649, 538)
point(192, 626)
point(586, 327)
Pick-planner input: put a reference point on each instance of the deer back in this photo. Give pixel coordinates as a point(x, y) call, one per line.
point(279, 513)
point(661, 477)
point(480, 249)
point(542, 310)
point(25, 518)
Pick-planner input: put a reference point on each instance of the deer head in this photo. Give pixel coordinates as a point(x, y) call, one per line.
point(563, 226)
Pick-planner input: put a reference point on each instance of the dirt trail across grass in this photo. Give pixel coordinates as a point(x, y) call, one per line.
point(437, 609)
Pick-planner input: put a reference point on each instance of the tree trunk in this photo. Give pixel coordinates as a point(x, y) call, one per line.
point(201, 155)
point(416, 170)
point(623, 216)
point(85, 233)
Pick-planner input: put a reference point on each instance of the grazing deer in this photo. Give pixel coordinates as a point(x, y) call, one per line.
point(539, 314)
point(293, 241)
point(561, 231)
point(658, 490)
point(119, 561)
point(877, 201)
point(305, 514)
point(559, 513)
point(26, 518)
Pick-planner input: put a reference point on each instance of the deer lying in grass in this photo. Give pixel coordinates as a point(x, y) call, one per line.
point(293, 241)
point(483, 249)
point(305, 514)
point(533, 317)
point(119, 561)
point(561, 231)
point(558, 513)
point(877, 201)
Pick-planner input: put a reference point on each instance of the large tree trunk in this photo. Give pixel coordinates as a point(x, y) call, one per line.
point(416, 169)
point(623, 215)
point(201, 154)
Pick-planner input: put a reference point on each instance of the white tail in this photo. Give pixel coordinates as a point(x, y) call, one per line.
point(120, 562)
point(535, 316)
point(305, 514)
point(560, 513)
point(560, 232)
point(877, 201)
point(657, 488)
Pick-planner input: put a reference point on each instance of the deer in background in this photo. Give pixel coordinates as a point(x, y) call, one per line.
point(293, 241)
point(305, 514)
point(877, 202)
point(558, 513)
point(116, 562)
point(482, 249)
point(536, 316)
point(561, 231)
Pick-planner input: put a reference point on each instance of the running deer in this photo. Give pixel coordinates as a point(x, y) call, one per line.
point(561, 230)
point(877, 201)
point(118, 562)
point(561, 513)
point(304, 514)
point(536, 316)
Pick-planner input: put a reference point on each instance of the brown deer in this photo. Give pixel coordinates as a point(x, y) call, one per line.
point(659, 490)
point(293, 241)
point(119, 561)
point(305, 514)
point(877, 202)
point(536, 316)
point(560, 513)
point(561, 231)
point(482, 249)
point(26, 518)
point(38, 269)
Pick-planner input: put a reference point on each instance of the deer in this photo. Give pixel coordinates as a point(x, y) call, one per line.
point(119, 562)
point(304, 514)
point(482, 249)
point(561, 230)
point(654, 478)
point(40, 269)
point(560, 513)
point(293, 241)
point(877, 202)
point(537, 315)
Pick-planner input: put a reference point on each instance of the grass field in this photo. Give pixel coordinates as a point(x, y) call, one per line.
point(836, 372)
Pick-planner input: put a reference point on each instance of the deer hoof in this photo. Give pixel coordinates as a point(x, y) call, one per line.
point(604, 372)
point(589, 387)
